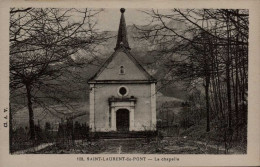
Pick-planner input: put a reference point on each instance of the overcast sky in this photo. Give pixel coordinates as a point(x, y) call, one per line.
point(108, 20)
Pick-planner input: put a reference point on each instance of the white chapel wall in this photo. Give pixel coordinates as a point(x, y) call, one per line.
point(142, 115)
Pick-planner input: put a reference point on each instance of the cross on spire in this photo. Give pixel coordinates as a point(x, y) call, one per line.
point(122, 33)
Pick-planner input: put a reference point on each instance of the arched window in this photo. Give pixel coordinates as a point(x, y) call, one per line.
point(122, 70)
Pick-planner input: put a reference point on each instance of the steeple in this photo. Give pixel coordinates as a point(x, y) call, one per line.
point(122, 34)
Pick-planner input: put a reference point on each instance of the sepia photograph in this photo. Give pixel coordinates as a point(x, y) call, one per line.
point(128, 80)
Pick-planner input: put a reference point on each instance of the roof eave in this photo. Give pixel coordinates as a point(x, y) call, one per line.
point(121, 81)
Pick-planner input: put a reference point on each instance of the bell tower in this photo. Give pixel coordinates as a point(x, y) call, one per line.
point(122, 40)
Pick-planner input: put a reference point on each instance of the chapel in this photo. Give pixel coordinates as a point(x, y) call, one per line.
point(122, 93)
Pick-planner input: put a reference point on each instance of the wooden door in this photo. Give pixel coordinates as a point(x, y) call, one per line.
point(122, 120)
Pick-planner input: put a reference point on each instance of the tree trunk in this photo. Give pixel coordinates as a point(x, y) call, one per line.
point(207, 102)
point(31, 116)
point(228, 76)
point(10, 128)
point(236, 89)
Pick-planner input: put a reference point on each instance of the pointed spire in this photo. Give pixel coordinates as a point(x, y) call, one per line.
point(122, 33)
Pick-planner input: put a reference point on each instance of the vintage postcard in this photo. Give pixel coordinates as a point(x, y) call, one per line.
point(120, 83)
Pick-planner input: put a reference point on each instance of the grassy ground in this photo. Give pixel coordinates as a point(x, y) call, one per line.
point(135, 146)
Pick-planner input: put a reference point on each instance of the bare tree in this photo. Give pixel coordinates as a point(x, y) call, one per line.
point(45, 44)
point(209, 48)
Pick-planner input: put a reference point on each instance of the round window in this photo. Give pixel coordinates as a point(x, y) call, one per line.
point(122, 91)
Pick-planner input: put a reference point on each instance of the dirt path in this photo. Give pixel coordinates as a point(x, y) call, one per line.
point(121, 146)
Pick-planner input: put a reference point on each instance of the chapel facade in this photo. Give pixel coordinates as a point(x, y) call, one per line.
point(122, 93)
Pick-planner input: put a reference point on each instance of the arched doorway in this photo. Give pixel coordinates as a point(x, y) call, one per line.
point(122, 120)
